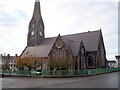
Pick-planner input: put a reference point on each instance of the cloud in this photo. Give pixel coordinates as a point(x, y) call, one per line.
point(60, 16)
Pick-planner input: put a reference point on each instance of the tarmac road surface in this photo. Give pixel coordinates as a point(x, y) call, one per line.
point(109, 80)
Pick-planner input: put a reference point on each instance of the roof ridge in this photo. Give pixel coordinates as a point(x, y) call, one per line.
point(81, 33)
point(74, 34)
point(51, 37)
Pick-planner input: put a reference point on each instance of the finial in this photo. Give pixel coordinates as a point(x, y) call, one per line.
point(37, 1)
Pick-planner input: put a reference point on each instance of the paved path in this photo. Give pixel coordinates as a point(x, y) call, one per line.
point(109, 80)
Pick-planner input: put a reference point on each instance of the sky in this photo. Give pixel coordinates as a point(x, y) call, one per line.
point(60, 17)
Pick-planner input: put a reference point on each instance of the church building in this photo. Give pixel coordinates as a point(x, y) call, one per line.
point(85, 50)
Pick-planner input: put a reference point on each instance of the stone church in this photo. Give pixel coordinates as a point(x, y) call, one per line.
point(86, 50)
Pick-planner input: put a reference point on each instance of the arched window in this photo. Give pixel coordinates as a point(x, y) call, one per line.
point(91, 60)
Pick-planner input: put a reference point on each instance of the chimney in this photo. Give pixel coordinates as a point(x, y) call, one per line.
point(1, 55)
point(8, 55)
point(16, 55)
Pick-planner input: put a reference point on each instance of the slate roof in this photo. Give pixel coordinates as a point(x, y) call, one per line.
point(40, 51)
point(90, 40)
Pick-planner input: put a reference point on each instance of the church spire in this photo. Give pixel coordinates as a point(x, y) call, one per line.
point(37, 1)
point(37, 11)
point(36, 27)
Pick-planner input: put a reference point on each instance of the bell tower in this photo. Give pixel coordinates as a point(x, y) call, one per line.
point(36, 27)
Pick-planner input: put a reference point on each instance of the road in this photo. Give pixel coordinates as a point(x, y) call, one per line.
point(109, 80)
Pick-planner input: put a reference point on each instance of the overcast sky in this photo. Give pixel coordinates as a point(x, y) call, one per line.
point(60, 17)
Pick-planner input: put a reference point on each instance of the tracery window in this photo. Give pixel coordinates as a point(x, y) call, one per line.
point(59, 54)
point(91, 60)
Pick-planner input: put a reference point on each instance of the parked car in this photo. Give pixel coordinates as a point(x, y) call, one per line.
point(37, 72)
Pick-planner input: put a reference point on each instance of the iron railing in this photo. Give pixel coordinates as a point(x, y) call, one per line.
point(60, 73)
point(84, 72)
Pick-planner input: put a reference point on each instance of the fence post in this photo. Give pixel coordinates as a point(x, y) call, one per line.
point(9, 72)
point(89, 72)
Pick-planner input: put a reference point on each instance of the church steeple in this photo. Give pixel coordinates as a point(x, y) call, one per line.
point(37, 0)
point(37, 11)
point(36, 27)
